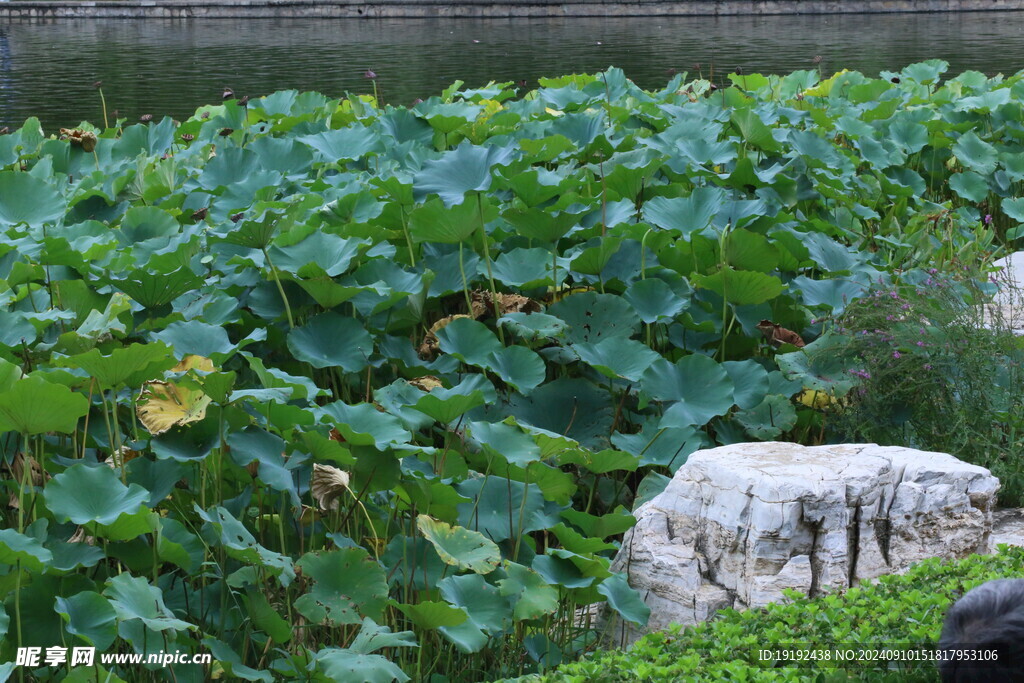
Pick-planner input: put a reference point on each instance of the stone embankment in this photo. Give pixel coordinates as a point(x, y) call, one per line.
point(355, 9)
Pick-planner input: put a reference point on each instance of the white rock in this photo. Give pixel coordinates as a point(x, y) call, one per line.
point(739, 524)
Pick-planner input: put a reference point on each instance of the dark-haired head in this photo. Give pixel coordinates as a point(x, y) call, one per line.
point(987, 621)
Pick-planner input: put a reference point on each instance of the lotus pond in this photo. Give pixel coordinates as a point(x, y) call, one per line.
point(337, 391)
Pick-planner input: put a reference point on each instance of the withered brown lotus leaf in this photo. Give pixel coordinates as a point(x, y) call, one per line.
point(426, 383)
point(327, 484)
point(777, 335)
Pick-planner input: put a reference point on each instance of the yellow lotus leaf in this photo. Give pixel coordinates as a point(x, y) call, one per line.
point(815, 398)
point(825, 87)
point(163, 405)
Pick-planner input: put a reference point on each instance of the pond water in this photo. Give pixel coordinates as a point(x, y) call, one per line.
point(170, 67)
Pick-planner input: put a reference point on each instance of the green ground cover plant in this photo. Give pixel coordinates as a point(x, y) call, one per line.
point(899, 614)
point(335, 390)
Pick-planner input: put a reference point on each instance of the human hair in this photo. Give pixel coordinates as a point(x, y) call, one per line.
point(987, 618)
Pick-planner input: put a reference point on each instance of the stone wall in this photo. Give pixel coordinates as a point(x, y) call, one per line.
point(185, 9)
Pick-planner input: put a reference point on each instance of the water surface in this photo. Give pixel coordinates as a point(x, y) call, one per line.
point(171, 66)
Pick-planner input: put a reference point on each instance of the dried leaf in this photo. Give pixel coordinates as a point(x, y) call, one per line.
point(163, 405)
point(426, 383)
point(777, 335)
point(327, 484)
point(485, 303)
point(429, 348)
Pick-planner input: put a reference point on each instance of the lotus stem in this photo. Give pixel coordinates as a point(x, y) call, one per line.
point(280, 288)
point(103, 103)
point(465, 286)
point(487, 260)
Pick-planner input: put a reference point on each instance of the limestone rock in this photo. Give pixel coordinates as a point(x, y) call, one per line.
point(1007, 527)
point(739, 524)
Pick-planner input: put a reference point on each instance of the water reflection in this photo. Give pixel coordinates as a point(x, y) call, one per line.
point(171, 66)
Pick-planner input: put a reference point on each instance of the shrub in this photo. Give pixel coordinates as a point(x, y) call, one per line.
point(902, 612)
point(933, 372)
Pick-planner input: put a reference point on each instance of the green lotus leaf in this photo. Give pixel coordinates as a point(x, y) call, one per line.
point(344, 144)
point(753, 130)
point(18, 548)
point(969, 185)
point(540, 224)
point(746, 250)
point(668, 447)
point(575, 542)
point(320, 253)
point(1014, 208)
point(70, 556)
point(364, 425)
point(592, 317)
point(907, 135)
point(770, 418)
point(286, 156)
point(505, 441)
point(614, 523)
point(372, 637)
point(533, 325)
point(741, 287)
point(592, 259)
point(497, 508)
point(460, 547)
point(90, 616)
point(975, 153)
point(84, 493)
point(132, 597)
point(450, 116)
point(153, 289)
point(624, 599)
point(239, 543)
point(34, 406)
point(517, 366)
point(533, 597)
point(573, 407)
point(178, 545)
point(617, 357)
point(16, 330)
point(126, 366)
point(700, 387)
point(601, 462)
point(435, 221)
point(837, 294)
point(430, 615)
point(347, 585)
point(332, 340)
point(469, 341)
point(27, 199)
point(524, 268)
point(266, 618)
point(345, 665)
point(489, 613)
point(654, 301)
point(559, 571)
point(446, 405)
point(464, 169)
point(9, 375)
point(232, 661)
point(750, 382)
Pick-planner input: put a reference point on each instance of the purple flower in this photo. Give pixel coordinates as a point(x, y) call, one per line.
point(927, 366)
point(863, 374)
point(921, 344)
point(895, 354)
point(370, 74)
point(988, 219)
